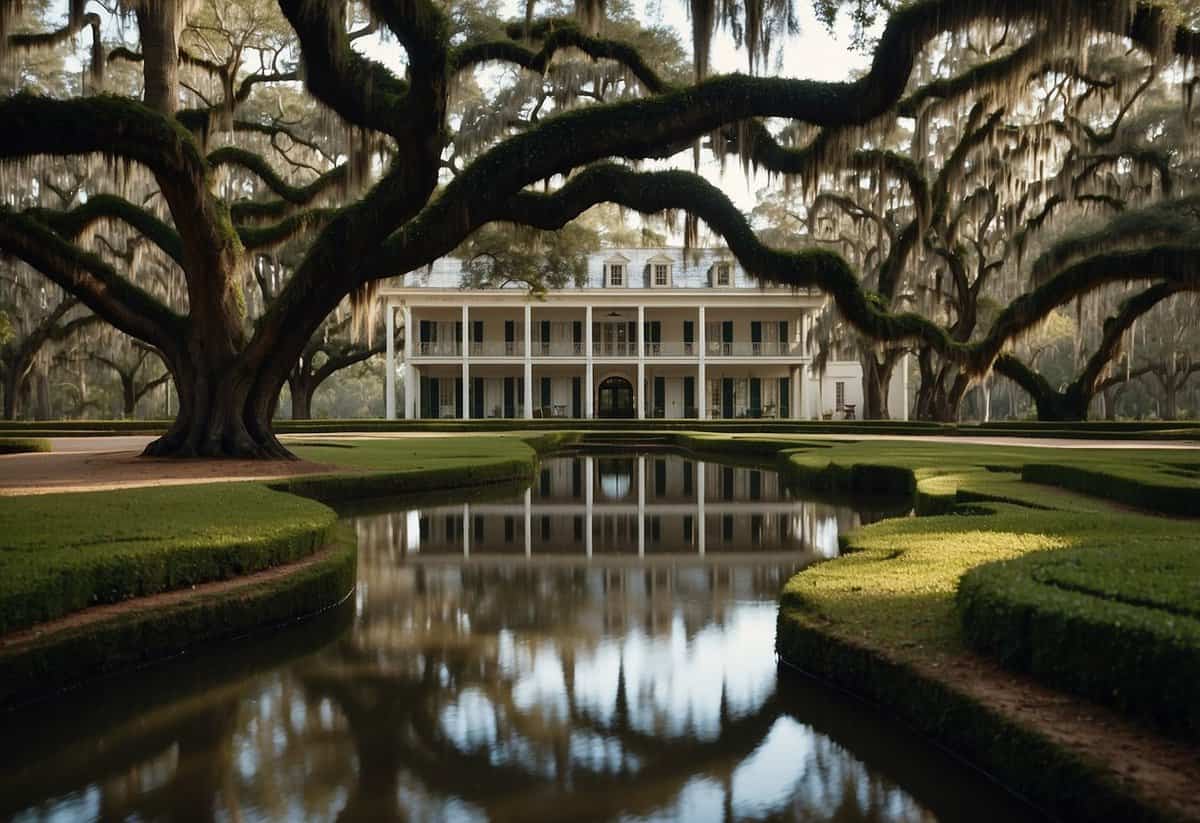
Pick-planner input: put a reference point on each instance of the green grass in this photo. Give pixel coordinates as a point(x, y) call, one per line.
point(60, 553)
point(64, 552)
point(392, 467)
point(23, 445)
point(1078, 590)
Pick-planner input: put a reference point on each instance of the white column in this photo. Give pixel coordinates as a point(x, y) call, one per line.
point(701, 371)
point(529, 522)
point(588, 410)
point(410, 373)
point(639, 390)
point(797, 395)
point(466, 365)
point(641, 515)
point(589, 463)
point(700, 506)
point(528, 363)
point(389, 380)
point(466, 530)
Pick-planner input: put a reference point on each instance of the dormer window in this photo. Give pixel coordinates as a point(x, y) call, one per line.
point(658, 272)
point(723, 275)
point(616, 271)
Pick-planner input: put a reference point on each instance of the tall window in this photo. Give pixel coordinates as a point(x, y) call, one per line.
point(661, 274)
point(724, 274)
point(616, 274)
point(839, 393)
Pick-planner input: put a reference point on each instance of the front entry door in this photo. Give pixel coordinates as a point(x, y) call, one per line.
point(615, 398)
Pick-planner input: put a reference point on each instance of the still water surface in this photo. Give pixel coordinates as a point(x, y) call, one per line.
point(596, 647)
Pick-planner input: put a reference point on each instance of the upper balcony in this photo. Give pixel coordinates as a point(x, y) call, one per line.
point(619, 350)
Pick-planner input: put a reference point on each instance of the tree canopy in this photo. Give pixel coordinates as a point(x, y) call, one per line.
point(217, 179)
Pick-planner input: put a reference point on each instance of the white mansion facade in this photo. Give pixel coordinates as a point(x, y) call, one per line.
point(652, 333)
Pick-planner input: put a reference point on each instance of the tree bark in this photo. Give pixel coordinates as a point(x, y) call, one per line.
point(877, 379)
point(11, 390)
point(302, 391)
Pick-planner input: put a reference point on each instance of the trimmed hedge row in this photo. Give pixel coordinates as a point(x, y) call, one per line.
point(131, 543)
point(340, 488)
point(1140, 659)
point(23, 445)
point(1047, 774)
point(148, 634)
point(1147, 491)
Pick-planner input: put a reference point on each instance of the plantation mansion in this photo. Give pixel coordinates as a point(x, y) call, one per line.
point(652, 333)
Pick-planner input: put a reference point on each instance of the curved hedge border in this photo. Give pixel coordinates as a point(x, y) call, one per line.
point(144, 635)
point(1057, 779)
point(1141, 660)
point(1141, 490)
point(1121, 626)
point(24, 445)
point(130, 543)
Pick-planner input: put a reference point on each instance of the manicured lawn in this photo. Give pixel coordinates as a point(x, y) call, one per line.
point(1080, 591)
point(64, 552)
point(412, 454)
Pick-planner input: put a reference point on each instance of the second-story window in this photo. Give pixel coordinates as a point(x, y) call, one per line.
point(661, 274)
point(724, 274)
point(616, 274)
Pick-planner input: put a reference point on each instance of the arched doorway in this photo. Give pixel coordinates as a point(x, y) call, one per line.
point(615, 398)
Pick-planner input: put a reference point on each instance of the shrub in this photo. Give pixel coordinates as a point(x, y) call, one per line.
point(23, 445)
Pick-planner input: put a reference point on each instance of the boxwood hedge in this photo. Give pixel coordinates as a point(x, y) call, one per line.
point(23, 445)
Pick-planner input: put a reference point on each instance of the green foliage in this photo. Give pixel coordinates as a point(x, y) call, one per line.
point(6, 329)
point(504, 255)
point(144, 635)
point(391, 467)
point(1083, 594)
point(24, 445)
point(1115, 620)
point(122, 544)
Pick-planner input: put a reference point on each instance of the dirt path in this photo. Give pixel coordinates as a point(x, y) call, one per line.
point(80, 470)
point(113, 462)
point(1163, 771)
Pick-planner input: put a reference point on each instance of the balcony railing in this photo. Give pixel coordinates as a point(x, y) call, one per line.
point(614, 349)
point(721, 349)
point(570, 349)
point(439, 348)
point(557, 349)
point(497, 349)
point(672, 349)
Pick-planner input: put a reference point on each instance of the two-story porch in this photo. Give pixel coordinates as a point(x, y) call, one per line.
point(582, 354)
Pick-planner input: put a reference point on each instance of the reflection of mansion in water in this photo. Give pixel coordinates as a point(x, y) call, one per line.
point(651, 333)
point(637, 507)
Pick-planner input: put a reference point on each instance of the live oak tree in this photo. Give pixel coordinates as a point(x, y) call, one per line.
point(387, 208)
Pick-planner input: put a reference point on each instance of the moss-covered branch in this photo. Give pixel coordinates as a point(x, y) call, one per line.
point(563, 35)
point(363, 91)
point(256, 165)
point(257, 238)
point(87, 277)
point(661, 191)
point(99, 207)
point(115, 127)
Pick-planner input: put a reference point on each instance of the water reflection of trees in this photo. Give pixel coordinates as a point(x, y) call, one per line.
point(433, 686)
point(516, 691)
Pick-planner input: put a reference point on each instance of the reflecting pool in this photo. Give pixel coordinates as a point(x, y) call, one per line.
point(598, 646)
